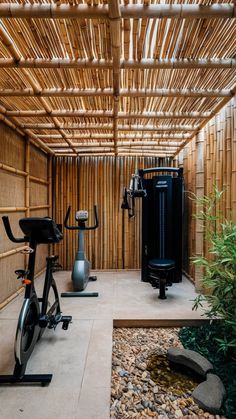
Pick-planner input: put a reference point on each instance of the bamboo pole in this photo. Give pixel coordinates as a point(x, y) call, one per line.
point(148, 63)
point(12, 209)
point(11, 169)
point(121, 136)
point(39, 180)
point(76, 92)
point(134, 11)
point(170, 142)
point(108, 114)
point(115, 34)
point(27, 179)
point(106, 127)
point(199, 232)
point(12, 252)
point(115, 122)
point(37, 207)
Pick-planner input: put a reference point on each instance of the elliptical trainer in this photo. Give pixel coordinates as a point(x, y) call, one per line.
point(81, 269)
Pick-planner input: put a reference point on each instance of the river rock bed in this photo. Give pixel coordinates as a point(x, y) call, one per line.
point(136, 391)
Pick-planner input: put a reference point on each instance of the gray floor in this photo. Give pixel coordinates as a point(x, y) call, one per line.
point(80, 358)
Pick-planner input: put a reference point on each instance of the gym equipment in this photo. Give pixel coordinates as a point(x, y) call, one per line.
point(81, 269)
point(36, 313)
point(162, 205)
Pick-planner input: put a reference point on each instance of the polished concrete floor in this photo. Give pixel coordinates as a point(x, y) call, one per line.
point(80, 358)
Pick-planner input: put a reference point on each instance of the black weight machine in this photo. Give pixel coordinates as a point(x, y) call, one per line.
point(162, 208)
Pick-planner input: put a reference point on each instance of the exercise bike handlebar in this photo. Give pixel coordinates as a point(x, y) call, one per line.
point(10, 235)
point(77, 227)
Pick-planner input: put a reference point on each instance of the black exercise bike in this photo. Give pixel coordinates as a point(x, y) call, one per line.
point(36, 314)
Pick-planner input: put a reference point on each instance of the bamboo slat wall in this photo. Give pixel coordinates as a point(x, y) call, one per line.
point(86, 181)
point(24, 191)
point(219, 167)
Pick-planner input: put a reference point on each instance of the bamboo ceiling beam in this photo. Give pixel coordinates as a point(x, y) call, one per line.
point(70, 125)
point(109, 114)
point(76, 136)
point(105, 127)
point(96, 136)
point(135, 11)
point(115, 34)
point(120, 154)
point(109, 143)
point(74, 92)
point(145, 63)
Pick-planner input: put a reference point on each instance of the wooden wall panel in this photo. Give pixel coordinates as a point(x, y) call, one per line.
point(12, 190)
point(23, 184)
point(38, 194)
point(38, 163)
point(219, 156)
point(9, 282)
point(12, 147)
point(86, 181)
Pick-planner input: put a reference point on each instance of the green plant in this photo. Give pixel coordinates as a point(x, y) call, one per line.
point(219, 270)
point(204, 340)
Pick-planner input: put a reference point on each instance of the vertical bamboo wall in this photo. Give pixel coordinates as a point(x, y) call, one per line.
point(218, 152)
point(86, 181)
point(24, 191)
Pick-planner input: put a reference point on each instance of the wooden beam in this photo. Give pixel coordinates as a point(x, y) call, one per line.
point(74, 92)
point(129, 136)
point(109, 114)
point(135, 11)
point(70, 125)
point(11, 169)
point(145, 63)
point(62, 146)
point(115, 35)
point(179, 11)
point(106, 127)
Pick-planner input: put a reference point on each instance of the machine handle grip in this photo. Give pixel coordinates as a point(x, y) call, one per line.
point(66, 221)
point(177, 170)
point(96, 221)
point(8, 230)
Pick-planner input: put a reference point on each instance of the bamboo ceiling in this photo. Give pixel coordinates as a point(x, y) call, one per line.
point(115, 78)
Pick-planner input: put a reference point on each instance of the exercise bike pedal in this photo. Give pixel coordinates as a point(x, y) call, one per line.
point(21, 273)
point(92, 278)
point(66, 320)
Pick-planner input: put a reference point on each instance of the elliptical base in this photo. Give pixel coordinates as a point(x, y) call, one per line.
point(44, 379)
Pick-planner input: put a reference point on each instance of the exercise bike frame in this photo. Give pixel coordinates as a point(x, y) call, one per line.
point(36, 307)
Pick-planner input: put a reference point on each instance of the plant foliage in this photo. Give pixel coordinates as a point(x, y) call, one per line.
point(205, 340)
point(217, 340)
point(219, 270)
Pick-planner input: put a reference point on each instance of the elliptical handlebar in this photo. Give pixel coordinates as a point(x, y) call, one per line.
point(96, 221)
point(77, 227)
point(10, 235)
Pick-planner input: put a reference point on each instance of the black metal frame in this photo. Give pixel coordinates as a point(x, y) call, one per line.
point(42, 317)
